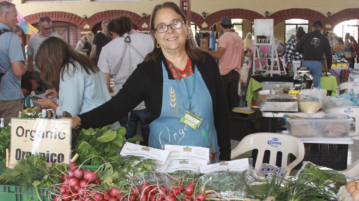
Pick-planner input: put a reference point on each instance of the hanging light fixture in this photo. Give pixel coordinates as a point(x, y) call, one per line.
point(143, 15)
point(329, 14)
point(266, 14)
point(204, 14)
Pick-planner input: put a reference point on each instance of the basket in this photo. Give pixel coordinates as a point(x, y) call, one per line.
point(17, 193)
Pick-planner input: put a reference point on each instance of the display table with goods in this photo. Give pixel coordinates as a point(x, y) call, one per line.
point(106, 166)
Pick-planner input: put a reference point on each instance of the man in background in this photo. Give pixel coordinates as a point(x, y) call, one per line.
point(100, 40)
point(313, 45)
point(11, 64)
point(45, 27)
point(231, 56)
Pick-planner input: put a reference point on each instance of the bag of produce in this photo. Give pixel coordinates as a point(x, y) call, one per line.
point(309, 103)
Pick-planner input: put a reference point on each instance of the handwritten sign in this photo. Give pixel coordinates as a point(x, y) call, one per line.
point(50, 138)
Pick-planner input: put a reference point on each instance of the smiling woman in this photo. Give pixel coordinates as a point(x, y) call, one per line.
point(181, 87)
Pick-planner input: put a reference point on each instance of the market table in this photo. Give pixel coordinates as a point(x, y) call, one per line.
point(353, 78)
point(327, 83)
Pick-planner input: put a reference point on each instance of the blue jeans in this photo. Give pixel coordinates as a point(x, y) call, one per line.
point(131, 124)
point(315, 69)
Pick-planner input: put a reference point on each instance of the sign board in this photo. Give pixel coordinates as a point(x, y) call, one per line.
point(263, 27)
point(50, 138)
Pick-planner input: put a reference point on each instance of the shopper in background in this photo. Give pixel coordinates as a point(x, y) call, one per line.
point(349, 51)
point(120, 58)
point(175, 78)
point(339, 48)
point(75, 79)
point(45, 27)
point(100, 40)
point(231, 57)
point(30, 81)
point(20, 32)
point(11, 64)
point(247, 42)
point(291, 54)
point(355, 47)
point(79, 45)
point(86, 49)
point(312, 46)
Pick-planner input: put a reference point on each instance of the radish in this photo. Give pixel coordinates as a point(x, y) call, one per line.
point(132, 197)
point(83, 184)
point(171, 193)
point(164, 189)
point(189, 190)
point(77, 187)
point(81, 192)
point(97, 181)
point(181, 187)
point(120, 197)
point(114, 192)
point(84, 169)
point(154, 191)
point(176, 190)
point(112, 199)
point(74, 195)
point(73, 182)
point(66, 182)
point(65, 197)
point(153, 199)
point(171, 198)
point(72, 165)
point(67, 190)
point(90, 176)
point(98, 197)
point(188, 198)
point(106, 197)
point(159, 198)
point(62, 190)
point(57, 198)
point(146, 187)
point(63, 177)
point(136, 191)
point(80, 199)
point(200, 197)
point(78, 173)
point(71, 174)
point(144, 197)
point(106, 192)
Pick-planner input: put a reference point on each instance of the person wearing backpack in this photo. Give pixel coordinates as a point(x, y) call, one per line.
point(11, 64)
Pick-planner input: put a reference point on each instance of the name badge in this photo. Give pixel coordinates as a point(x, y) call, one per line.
point(191, 120)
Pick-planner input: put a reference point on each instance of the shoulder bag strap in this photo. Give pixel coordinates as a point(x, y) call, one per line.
point(1, 32)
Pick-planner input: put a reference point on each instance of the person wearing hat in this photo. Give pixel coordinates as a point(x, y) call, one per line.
point(86, 49)
point(231, 56)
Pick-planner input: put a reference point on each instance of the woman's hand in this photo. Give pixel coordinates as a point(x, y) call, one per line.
point(45, 103)
point(75, 122)
point(51, 93)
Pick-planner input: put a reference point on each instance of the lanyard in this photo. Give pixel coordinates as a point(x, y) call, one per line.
point(194, 84)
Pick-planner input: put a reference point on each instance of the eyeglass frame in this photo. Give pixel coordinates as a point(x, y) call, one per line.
point(182, 22)
point(46, 29)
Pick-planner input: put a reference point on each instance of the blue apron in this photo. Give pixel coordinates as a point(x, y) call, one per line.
point(167, 129)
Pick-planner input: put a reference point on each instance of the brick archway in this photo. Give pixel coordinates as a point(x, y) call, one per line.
point(232, 13)
point(306, 14)
point(197, 19)
point(57, 16)
point(347, 14)
point(109, 14)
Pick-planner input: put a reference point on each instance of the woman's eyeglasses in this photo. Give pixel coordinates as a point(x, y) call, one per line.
point(174, 25)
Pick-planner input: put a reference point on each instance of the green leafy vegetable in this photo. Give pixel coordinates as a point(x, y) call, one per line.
point(107, 137)
point(135, 139)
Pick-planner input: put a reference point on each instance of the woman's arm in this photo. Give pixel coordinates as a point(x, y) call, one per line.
point(221, 115)
point(132, 94)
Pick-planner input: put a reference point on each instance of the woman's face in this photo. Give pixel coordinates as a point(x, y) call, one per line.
point(34, 84)
point(171, 39)
point(19, 33)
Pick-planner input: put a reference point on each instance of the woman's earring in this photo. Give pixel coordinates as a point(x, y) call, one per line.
point(158, 45)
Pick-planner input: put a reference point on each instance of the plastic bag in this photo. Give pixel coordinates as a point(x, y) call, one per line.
point(309, 103)
point(320, 93)
point(331, 102)
point(352, 97)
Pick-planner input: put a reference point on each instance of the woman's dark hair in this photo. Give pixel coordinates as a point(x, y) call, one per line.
point(120, 25)
point(340, 40)
point(227, 26)
point(194, 53)
point(351, 38)
point(55, 55)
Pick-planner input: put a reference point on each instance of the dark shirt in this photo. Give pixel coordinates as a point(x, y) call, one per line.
point(100, 40)
point(313, 45)
point(87, 46)
point(146, 83)
point(26, 84)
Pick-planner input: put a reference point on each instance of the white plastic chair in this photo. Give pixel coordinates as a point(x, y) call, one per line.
point(350, 86)
point(353, 170)
point(351, 111)
point(274, 142)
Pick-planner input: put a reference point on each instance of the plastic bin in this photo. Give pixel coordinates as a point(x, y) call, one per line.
point(17, 193)
point(270, 85)
point(327, 126)
point(334, 156)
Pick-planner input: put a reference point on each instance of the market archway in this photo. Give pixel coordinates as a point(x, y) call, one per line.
point(57, 16)
point(139, 21)
point(341, 16)
point(301, 13)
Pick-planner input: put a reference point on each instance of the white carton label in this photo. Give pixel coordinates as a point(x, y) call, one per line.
point(187, 152)
point(232, 166)
point(147, 152)
point(191, 165)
